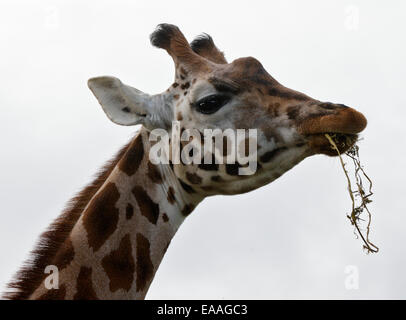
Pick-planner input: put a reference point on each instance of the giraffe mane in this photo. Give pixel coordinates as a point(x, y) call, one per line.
point(31, 274)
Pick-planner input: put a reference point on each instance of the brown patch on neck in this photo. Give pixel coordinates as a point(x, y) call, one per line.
point(165, 217)
point(171, 195)
point(186, 187)
point(30, 276)
point(232, 169)
point(133, 157)
point(101, 217)
point(193, 178)
point(65, 255)
point(129, 211)
point(145, 268)
point(153, 173)
point(84, 285)
point(54, 294)
point(119, 266)
point(148, 208)
point(213, 166)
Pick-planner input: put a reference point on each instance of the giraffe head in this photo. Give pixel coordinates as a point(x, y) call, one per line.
point(209, 93)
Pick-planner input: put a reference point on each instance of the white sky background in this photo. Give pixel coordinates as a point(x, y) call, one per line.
point(290, 239)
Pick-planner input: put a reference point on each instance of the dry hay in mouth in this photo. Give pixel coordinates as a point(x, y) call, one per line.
point(360, 197)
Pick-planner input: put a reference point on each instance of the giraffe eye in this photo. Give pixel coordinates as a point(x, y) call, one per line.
point(211, 104)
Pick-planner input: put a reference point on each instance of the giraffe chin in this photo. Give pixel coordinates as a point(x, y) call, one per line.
point(319, 144)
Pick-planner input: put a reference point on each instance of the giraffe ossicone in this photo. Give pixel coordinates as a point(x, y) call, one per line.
point(110, 240)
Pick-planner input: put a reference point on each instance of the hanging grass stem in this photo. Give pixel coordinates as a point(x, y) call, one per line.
point(357, 210)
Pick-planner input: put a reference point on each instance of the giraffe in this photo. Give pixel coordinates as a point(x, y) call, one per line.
point(111, 238)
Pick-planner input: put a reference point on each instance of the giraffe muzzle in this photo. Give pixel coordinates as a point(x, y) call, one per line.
point(344, 122)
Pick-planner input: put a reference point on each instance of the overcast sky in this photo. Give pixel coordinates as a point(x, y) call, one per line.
point(290, 239)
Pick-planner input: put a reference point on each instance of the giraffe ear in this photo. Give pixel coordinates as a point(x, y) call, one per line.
point(122, 104)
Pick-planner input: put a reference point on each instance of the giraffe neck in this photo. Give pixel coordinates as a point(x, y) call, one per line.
point(116, 246)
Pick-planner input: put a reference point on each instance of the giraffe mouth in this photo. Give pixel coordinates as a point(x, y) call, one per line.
point(344, 126)
point(320, 145)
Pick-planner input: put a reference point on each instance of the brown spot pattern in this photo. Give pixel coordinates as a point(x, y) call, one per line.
point(32, 274)
point(232, 169)
point(119, 266)
point(100, 219)
point(165, 217)
point(153, 173)
point(65, 255)
point(144, 267)
point(186, 187)
point(193, 178)
point(148, 208)
point(213, 166)
point(54, 294)
point(171, 195)
point(209, 166)
point(133, 157)
point(185, 86)
point(84, 285)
